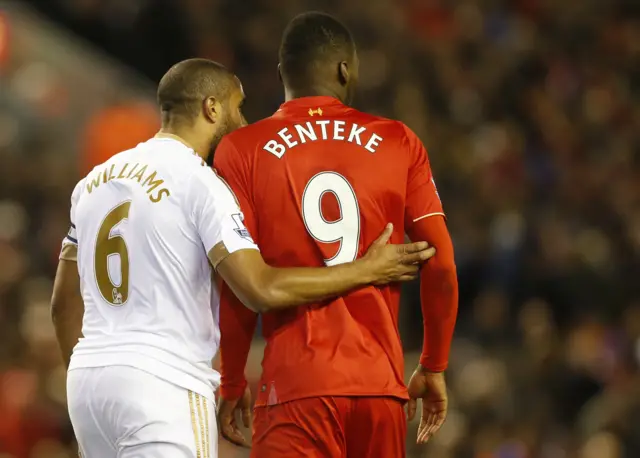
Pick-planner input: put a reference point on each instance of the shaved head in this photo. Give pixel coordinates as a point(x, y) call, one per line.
point(317, 50)
point(200, 101)
point(186, 85)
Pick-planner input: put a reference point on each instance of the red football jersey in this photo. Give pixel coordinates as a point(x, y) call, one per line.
point(317, 183)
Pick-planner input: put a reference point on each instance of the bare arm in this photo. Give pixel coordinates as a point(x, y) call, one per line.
point(67, 308)
point(263, 288)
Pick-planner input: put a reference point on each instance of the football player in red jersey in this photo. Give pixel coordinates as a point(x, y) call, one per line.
point(317, 182)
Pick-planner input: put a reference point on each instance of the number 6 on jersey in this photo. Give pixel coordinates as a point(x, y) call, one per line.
point(109, 245)
point(346, 230)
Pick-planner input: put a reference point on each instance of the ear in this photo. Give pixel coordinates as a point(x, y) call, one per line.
point(343, 73)
point(211, 109)
point(280, 74)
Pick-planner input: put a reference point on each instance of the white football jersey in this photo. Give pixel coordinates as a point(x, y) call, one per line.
point(143, 223)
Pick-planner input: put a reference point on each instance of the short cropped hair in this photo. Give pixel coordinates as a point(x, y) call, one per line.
point(188, 83)
point(311, 39)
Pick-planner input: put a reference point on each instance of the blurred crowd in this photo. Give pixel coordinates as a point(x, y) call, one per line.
point(530, 110)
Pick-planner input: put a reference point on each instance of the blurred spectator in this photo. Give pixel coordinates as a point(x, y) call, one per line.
point(5, 38)
point(116, 128)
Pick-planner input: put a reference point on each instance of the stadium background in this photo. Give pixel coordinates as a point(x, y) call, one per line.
point(530, 110)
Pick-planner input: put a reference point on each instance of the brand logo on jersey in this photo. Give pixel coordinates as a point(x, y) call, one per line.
point(314, 112)
point(240, 229)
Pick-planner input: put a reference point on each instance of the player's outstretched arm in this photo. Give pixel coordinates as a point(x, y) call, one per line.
point(67, 308)
point(263, 288)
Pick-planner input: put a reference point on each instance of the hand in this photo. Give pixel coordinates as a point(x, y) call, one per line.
point(389, 263)
point(432, 389)
point(227, 409)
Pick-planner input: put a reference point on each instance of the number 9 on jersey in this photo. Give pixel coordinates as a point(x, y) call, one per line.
point(346, 229)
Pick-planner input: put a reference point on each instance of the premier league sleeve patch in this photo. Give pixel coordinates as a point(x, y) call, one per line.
point(240, 228)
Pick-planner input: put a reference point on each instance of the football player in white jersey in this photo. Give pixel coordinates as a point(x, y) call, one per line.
point(134, 305)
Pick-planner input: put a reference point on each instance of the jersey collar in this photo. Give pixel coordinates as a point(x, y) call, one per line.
point(313, 103)
point(166, 136)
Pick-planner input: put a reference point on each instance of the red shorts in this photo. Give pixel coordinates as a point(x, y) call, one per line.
point(331, 427)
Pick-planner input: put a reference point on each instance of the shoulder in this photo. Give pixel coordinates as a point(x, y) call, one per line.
point(122, 155)
point(176, 161)
point(206, 178)
point(398, 135)
point(238, 148)
point(206, 191)
point(77, 190)
point(396, 129)
point(253, 133)
point(391, 127)
point(191, 163)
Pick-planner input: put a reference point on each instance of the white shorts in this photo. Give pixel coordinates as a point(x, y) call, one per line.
point(123, 412)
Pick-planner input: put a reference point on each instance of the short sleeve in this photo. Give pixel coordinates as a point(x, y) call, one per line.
point(230, 165)
point(422, 199)
point(69, 250)
point(216, 215)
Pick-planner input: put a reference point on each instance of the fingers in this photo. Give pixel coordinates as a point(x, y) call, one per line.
point(245, 408)
point(425, 433)
point(411, 409)
point(439, 421)
point(233, 434)
point(246, 417)
point(422, 437)
point(408, 272)
point(230, 431)
point(228, 427)
point(225, 409)
point(425, 430)
point(418, 257)
point(430, 423)
point(414, 247)
point(383, 238)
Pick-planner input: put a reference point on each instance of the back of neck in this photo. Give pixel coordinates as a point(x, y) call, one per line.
point(182, 137)
point(291, 94)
